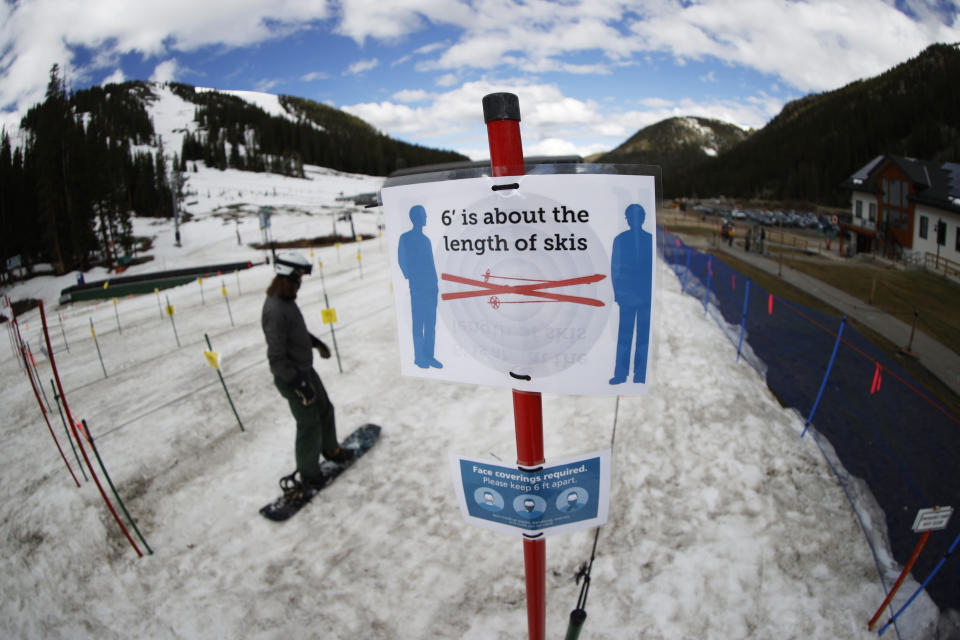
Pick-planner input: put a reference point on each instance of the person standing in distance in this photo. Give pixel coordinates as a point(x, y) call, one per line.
point(290, 354)
point(630, 270)
point(415, 256)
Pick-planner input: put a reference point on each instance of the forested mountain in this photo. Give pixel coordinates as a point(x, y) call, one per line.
point(315, 134)
point(91, 159)
point(677, 142)
point(816, 142)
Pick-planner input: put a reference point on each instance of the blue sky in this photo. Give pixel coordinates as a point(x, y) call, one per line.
point(588, 73)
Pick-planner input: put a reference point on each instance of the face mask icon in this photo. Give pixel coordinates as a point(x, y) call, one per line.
point(488, 498)
point(529, 504)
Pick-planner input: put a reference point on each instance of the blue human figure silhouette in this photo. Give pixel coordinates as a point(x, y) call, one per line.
point(630, 273)
point(415, 255)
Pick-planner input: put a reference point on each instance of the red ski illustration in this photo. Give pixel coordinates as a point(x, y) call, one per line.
point(534, 289)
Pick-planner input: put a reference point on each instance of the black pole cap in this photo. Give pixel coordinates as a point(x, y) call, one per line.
point(501, 106)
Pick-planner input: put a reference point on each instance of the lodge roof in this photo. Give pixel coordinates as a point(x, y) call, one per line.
point(936, 184)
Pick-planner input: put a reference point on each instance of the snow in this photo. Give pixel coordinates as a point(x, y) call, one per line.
point(724, 523)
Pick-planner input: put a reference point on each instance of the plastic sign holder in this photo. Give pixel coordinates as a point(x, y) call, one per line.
point(540, 281)
point(933, 519)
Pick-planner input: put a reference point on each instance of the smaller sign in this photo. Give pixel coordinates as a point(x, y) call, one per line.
point(329, 316)
point(13, 262)
point(933, 519)
point(565, 496)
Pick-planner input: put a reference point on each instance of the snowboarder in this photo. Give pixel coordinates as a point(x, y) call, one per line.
point(290, 354)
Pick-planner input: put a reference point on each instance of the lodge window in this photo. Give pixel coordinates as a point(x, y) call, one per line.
point(924, 227)
point(873, 212)
point(859, 209)
point(896, 219)
point(891, 190)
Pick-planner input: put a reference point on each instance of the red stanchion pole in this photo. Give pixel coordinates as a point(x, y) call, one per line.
point(501, 113)
point(903, 575)
point(76, 435)
point(43, 410)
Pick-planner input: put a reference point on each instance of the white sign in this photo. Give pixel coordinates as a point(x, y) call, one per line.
point(559, 497)
point(540, 282)
point(933, 519)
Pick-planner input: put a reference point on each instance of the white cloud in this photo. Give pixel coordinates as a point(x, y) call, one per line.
point(804, 45)
point(114, 78)
point(360, 66)
point(411, 95)
point(812, 45)
point(166, 71)
point(314, 75)
point(35, 34)
point(446, 80)
point(552, 123)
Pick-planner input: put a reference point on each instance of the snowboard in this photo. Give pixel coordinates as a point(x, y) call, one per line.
point(284, 507)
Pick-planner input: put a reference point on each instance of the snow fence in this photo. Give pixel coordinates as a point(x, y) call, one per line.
point(882, 425)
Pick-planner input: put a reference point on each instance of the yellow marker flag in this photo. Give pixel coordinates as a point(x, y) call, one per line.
point(337, 245)
point(93, 333)
point(114, 302)
point(200, 280)
point(106, 284)
point(359, 256)
point(156, 291)
point(329, 316)
point(320, 264)
point(169, 309)
point(223, 290)
point(213, 358)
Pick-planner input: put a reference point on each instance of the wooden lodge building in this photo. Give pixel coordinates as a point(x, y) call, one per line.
point(907, 209)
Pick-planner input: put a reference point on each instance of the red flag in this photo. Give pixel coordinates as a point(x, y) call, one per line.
point(877, 380)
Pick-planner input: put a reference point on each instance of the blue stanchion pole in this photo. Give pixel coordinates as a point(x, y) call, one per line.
point(706, 297)
point(923, 586)
point(743, 319)
point(823, 385)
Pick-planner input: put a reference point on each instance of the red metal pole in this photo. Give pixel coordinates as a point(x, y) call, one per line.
point(903, 575)
point(76, 435)
point(501, 112)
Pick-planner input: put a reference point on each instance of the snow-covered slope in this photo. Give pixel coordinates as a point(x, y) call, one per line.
point(723, 522)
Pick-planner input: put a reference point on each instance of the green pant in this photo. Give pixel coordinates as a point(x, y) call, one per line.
point(316, 426)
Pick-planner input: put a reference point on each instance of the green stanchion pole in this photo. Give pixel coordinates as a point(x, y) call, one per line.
point(86, 433)
point(226, 298)
point(97, 343)
point(223, 382)
point(326, 304)
point(63, 333)
point(172, 323)
point(575, 626)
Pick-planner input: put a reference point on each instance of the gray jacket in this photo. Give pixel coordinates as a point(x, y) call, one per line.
point(289, 345)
